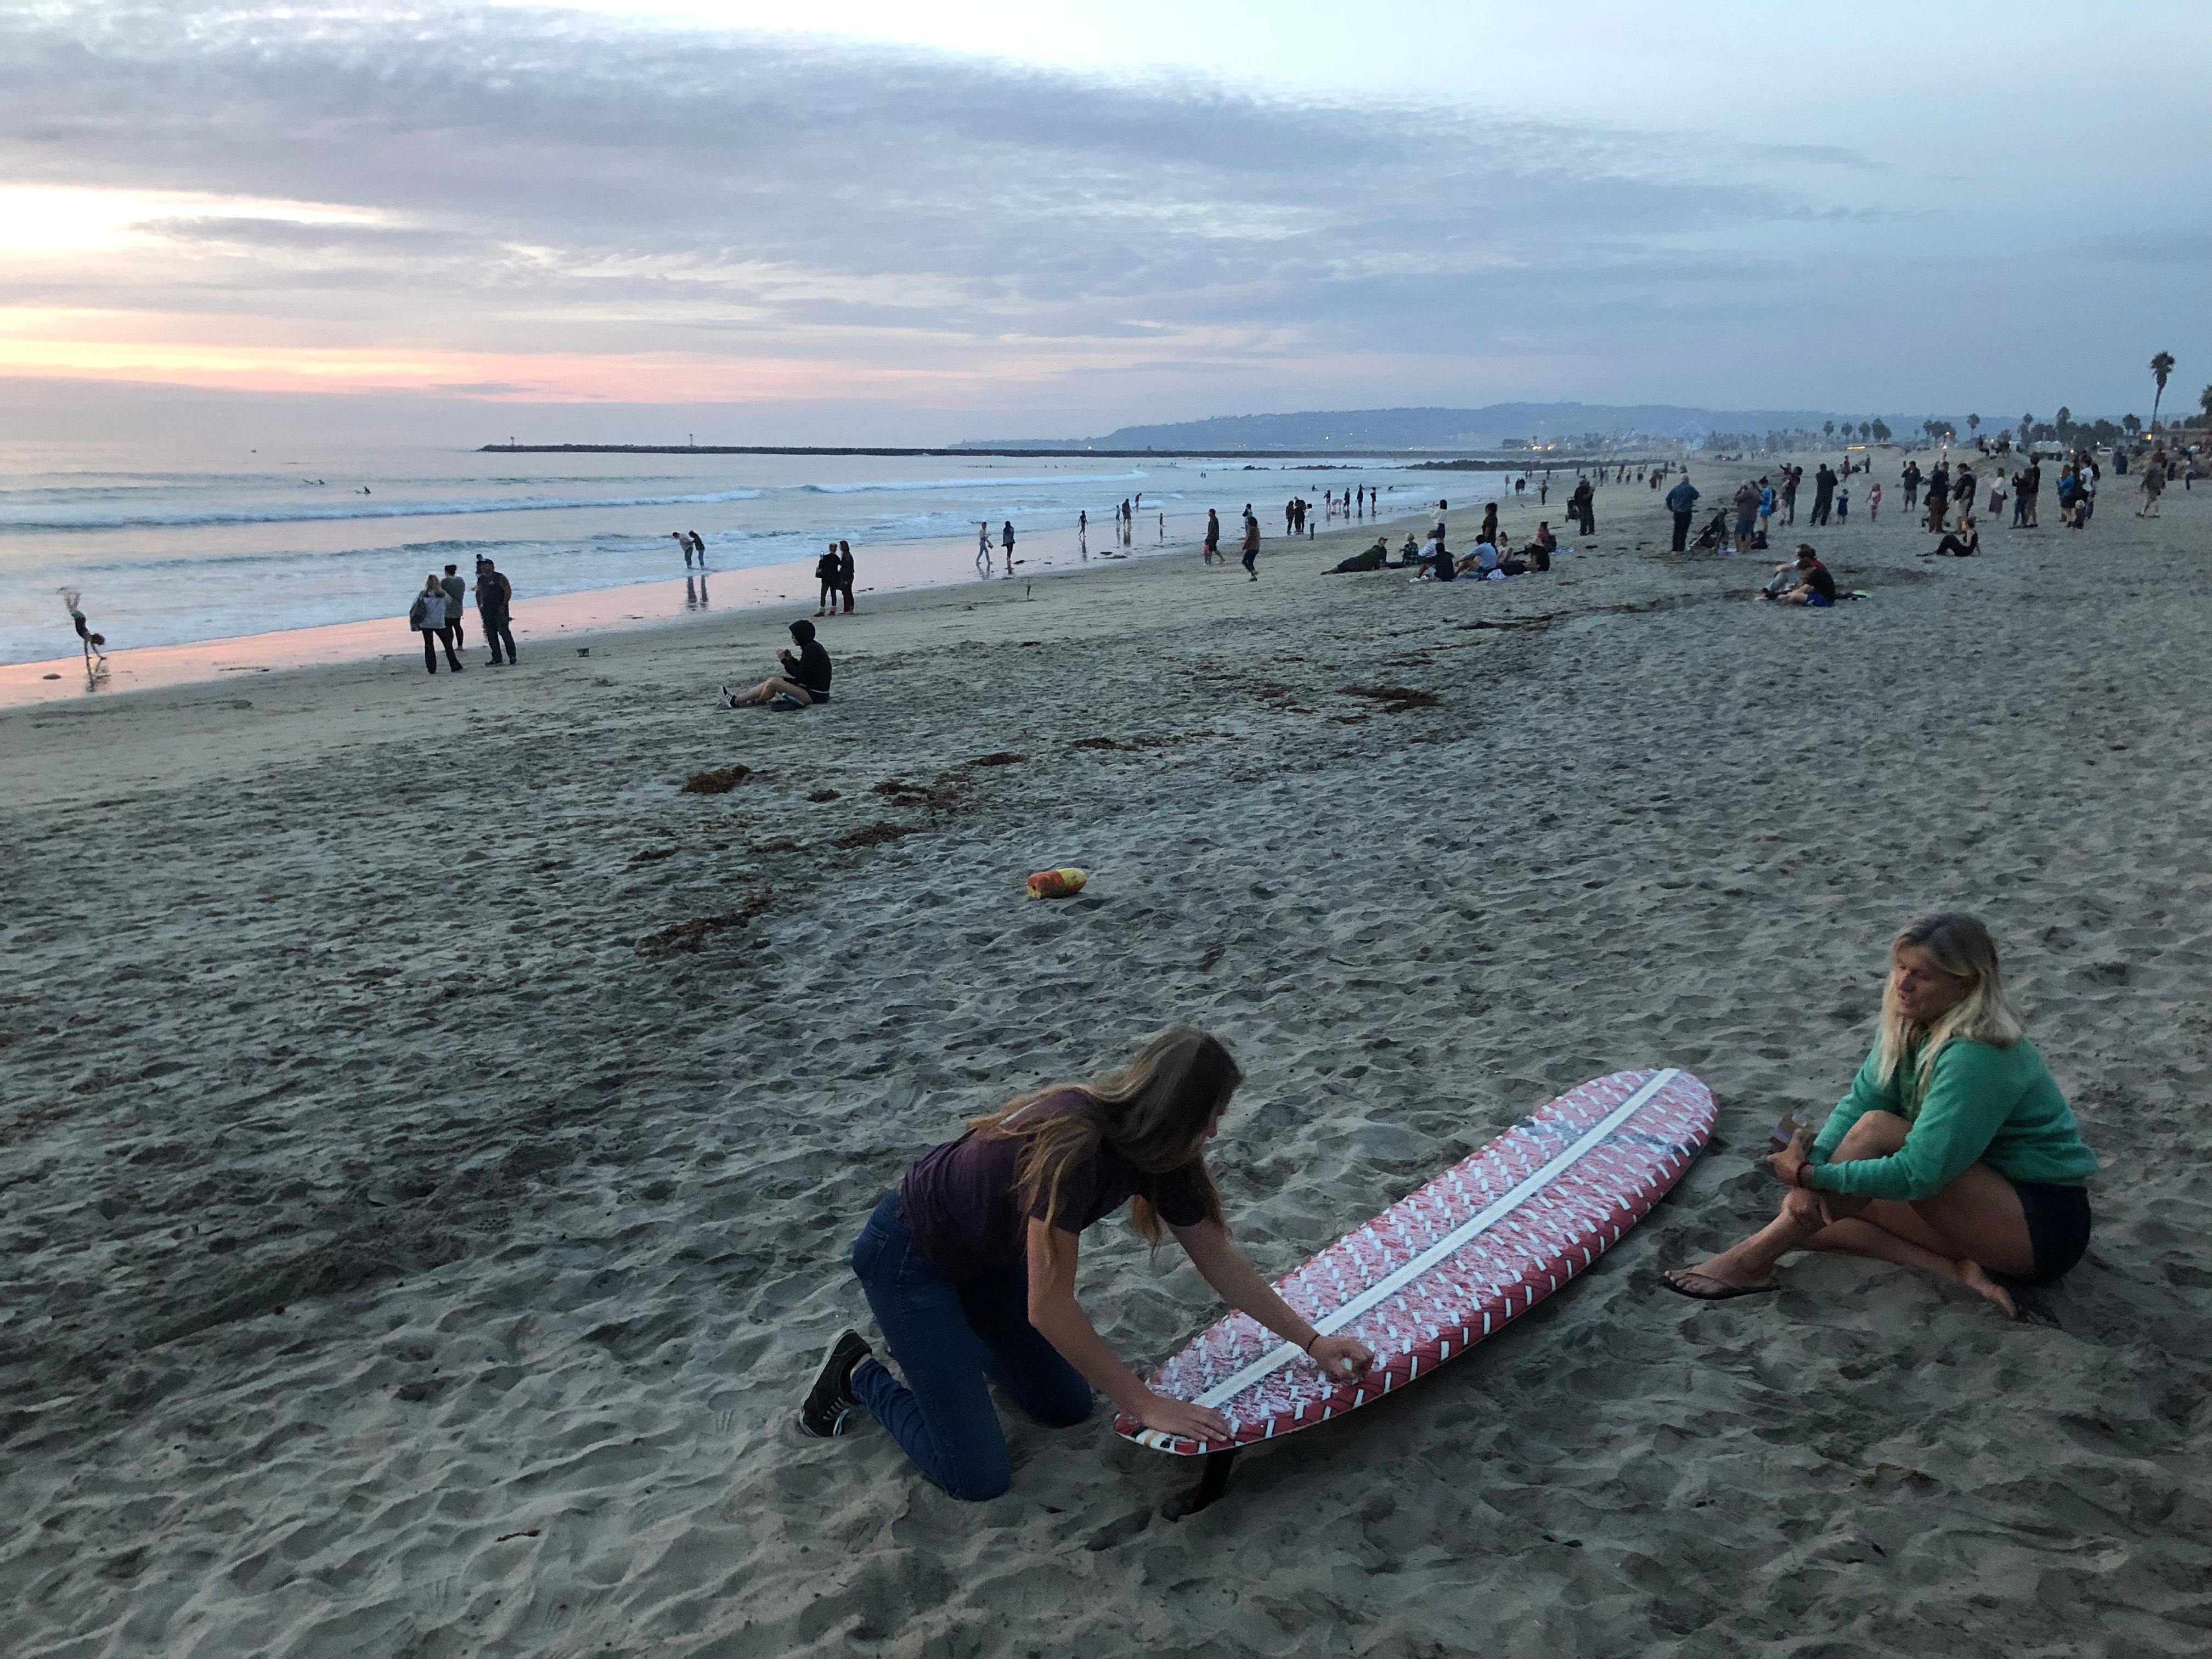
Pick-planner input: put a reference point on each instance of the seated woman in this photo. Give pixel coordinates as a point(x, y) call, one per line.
point(1953, 1153)
point(969, 1266)
point(1542, 547)
point(1952, 547)
point(804, 680)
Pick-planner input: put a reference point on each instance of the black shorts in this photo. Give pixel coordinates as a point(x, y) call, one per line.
point(2057, 1226)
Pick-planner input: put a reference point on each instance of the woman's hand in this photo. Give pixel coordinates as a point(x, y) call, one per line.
point(1341, 1356)
point(1182, 1417)
point(1791, 1158)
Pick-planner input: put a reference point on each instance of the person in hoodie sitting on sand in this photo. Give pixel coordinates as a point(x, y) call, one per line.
point(804, 682)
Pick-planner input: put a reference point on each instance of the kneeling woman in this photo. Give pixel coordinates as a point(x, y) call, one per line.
point(969, 1266)
point(1953, 1153)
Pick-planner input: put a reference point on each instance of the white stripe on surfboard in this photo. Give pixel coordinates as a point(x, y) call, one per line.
point(1451, 1242)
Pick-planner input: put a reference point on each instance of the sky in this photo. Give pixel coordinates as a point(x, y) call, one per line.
point(918, 223)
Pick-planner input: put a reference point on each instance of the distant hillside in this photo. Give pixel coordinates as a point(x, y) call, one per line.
point(1427, 428)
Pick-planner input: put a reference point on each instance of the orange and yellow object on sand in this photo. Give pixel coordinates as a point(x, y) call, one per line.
point(1057, 884)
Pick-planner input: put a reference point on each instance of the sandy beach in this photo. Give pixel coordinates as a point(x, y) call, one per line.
point(432, 1137)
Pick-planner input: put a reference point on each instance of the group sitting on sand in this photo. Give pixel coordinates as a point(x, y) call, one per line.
point(1804, 580)
point(1493, 559)
point(1953, 1153)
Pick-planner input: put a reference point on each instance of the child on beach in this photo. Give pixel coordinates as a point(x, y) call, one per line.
point(969, 1266)
point(1843, 503)
point(1873, 504)
point(1953, 1151)
point(90, 641)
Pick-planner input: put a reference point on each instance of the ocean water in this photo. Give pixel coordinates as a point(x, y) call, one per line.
point(170, 548)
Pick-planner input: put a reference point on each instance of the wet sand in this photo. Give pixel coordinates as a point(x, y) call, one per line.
point(412, 1248)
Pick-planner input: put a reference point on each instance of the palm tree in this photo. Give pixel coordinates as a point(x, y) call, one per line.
point(2160, 367)
point(1881, 432)
point(1973, 424)
point(2133, 425)
point(1828, 430)
point(2204, 403)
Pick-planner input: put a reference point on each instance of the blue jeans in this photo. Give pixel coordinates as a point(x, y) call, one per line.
point(948, 1335)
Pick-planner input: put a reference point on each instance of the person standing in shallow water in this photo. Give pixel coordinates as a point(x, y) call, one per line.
point(969, 1267)
point(1006, 540)
point(844, 574)
point(1952, 1152)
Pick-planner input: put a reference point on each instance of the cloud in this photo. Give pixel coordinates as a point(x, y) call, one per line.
point(510, 187)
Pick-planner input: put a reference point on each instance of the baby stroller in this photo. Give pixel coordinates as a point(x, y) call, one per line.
point(1715, 534)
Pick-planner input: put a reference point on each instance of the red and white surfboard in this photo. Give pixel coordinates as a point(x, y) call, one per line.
point(1452, 1263)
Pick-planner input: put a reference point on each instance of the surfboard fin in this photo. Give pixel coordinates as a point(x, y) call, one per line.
point(1212, 1481)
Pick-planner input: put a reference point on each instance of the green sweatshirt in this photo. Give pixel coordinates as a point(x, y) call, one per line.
point(1982, 1104)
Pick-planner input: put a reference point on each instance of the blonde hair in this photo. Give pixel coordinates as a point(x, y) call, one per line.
point(1154, 1112)
point(1962, 946)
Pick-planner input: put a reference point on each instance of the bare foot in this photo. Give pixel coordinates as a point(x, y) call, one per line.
point(1971, 1275)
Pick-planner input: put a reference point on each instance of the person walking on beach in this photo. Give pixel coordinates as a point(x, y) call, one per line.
point(1874, 503)
point(983, 549)
point(427, 617)
point(1910, 477)
point(1251, 544)
point(1006, 540)
point(2154, 487)
point(1682, 502)
point(495, 593)
point(845, 574)
point(1952, 1152)
point(1791, 478)
point(825, 579)
point(1210, 549)
point(457, 597)
point(2031, 493)
point(969, 1266)
point(1824, 493)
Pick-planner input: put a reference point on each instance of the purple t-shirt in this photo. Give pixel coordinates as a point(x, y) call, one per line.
point(966, 1216)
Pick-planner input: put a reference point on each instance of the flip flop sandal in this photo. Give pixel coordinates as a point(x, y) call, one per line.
point(1720, 1292)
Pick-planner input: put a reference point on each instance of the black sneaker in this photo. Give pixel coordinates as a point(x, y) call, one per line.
point(829, 1404)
